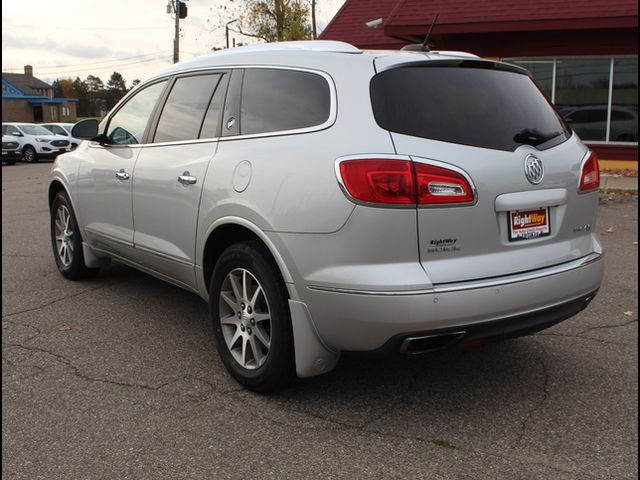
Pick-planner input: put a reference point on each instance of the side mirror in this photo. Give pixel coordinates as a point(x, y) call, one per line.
point(16, 134)
point(85, 129)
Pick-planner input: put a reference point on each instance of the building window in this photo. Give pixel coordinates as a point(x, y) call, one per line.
point(54, 114)
point(597, 96)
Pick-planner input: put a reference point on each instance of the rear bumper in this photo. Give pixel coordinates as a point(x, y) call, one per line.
point(366, 321)
point(11, 155)
point(487, 332)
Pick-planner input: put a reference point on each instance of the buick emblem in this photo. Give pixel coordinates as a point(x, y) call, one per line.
point(533, 169)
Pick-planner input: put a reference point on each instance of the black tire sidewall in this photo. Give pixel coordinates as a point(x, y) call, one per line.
point(77, 268)
point(278, 370)
point(35, 155)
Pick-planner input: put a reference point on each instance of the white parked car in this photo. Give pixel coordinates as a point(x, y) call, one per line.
point(36, 141)
point(10, 149)
point(63, 130)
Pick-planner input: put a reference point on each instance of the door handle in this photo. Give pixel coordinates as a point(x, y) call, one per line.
point(187, 179)
point(122, 175)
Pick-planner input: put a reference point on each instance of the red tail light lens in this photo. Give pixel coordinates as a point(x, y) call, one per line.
point(379, 181)
point(590, 175)
point(402, 182)
point(437, 185)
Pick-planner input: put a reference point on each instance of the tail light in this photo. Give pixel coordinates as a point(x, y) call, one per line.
point(437, 185)
point(379, 181)
point(590, 174)
point(403, 182)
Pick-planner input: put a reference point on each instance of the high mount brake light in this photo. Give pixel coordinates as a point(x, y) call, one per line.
point(403, 182)
point(590, 174)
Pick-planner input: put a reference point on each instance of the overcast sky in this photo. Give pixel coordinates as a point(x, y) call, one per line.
point(69, 38)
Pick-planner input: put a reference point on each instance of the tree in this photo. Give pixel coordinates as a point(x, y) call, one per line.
point(269, 20)
point(95, 95)
point(116, 89)
point(80, 89)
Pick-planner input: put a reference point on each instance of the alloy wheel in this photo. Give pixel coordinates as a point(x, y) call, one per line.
point(64, 235)
point(245, 318)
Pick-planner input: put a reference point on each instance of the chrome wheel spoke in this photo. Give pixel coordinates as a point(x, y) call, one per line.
point(256, 351)
point(234, 287)
point(258, 291)
point(261, 317)
point(243, 358)
point(230, 320)
point(244, 285)
point(230, 301)
point(262, 336)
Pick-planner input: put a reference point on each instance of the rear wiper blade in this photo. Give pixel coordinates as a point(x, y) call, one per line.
point(534, 137)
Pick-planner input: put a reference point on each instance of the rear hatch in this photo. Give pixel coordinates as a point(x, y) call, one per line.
point(489, 122)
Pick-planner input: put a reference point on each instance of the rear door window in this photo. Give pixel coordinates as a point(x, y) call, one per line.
point(185, 108)
point(474, 105)
point(278, 100)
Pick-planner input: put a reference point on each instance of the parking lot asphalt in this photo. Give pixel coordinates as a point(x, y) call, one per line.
point(118, 378)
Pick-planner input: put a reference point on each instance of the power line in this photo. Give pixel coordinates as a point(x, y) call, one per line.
point(73, 65)
point(40, 27)
point(122, 66)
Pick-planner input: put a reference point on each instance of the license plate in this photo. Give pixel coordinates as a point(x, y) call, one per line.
point(529, 224)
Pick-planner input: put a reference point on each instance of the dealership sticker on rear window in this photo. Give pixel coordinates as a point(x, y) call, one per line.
point(528, 224)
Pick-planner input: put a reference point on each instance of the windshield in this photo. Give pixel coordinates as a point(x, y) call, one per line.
point(34, 130)
point(482, 107)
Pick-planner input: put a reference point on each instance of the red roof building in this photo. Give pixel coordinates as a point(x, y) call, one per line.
point(582, 53)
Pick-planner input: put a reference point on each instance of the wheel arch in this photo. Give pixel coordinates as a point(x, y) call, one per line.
point(226, 232)
point(55, 187)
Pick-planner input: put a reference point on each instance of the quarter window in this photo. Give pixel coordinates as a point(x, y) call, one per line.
point(184, 111)
point(276, 100)
point(128, 124)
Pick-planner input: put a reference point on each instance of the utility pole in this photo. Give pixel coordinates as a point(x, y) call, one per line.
point(226, 30)
point(313, 19)
point(176, 40)
point(179, 9)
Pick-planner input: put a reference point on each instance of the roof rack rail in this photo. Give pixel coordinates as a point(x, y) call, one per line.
point(303, 45)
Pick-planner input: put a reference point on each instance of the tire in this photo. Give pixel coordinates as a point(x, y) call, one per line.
point(258, 322)
point(29, 154)
point(66, 241)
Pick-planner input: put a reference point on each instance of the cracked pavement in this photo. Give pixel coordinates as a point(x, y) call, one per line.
point(118, 378)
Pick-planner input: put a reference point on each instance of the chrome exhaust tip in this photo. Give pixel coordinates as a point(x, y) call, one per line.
point(429, 343)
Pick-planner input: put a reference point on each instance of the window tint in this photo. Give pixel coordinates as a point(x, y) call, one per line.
point(127, 126)
point(482, 107)
point(276, 100)
point(212, 120)
point(184, 110)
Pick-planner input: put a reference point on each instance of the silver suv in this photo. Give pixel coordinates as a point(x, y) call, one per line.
point(326, 199)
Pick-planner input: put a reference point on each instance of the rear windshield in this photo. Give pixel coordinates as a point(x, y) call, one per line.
point(482, 107)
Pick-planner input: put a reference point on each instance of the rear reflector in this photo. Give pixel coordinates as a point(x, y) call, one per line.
point(403, 182)
point(590, 175)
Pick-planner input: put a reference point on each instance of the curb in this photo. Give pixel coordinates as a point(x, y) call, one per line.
point(618, 183)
